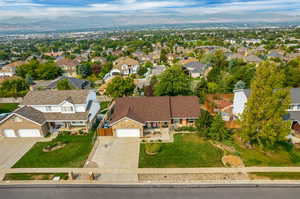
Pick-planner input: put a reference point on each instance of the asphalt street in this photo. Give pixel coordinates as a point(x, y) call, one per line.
point(93, 192)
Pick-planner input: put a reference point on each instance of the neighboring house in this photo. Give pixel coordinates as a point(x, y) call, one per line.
point(155, 71)
point(188, 60)
point(75, 83)
point(241, 97)
point(275, 54)
point(126, 65)
point(54, 54)
point(220, 104)
point(135, 116)
point(43, 112)
point(253, 59)
point(68, 66)
point(196, 69)
point(109, 76)
point(9, 70)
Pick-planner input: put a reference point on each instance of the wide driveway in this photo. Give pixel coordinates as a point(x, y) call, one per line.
point(13, 149)
point(117, 153)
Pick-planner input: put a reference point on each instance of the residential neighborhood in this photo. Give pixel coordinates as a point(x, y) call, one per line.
point(159, 106)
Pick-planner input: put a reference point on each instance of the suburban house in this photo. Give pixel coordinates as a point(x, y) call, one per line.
point(68, 66)
point(75, 83)
point(196, 69)
point(126, 65)
point(241, 97)
point(43, 112)
point(9, 70)
point(219, 104)
point(137, 116)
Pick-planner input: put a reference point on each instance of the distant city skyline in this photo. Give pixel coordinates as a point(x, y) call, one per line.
point(90, 13)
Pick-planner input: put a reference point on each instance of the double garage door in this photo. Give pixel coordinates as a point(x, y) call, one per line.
point(10, 133)
point(128, 133)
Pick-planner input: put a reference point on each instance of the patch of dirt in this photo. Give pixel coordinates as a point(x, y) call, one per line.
point(232, 161)
point(193, 177)
point(42, 177)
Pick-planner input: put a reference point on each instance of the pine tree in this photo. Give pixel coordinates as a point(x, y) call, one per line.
point(262, 120)
point(218, 130)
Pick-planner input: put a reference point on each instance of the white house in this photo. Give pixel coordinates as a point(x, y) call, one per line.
point(46, 111)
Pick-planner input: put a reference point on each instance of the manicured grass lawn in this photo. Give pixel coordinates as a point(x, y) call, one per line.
point(35, 176)
point(276, 175)
point(280, 157)
point(187, 151)
point(6, 108)
point(74, 154)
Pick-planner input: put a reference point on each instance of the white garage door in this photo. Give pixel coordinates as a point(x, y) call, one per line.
point(29, 133)
point(10, 133)
point(128, 132)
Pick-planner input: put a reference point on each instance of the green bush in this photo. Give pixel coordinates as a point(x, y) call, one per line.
point(152, 148)
point(186, 128)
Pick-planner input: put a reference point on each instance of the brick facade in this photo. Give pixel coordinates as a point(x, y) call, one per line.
point(11, 123)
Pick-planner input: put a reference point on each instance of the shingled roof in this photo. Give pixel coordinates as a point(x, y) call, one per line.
point(31, 114)
point(143, 109)
point(50, 97)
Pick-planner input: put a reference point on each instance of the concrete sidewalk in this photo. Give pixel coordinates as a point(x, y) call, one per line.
point(151, 170)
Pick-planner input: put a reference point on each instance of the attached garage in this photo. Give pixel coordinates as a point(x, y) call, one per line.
point(128, 132)
point(9, 133)
point(29, 133)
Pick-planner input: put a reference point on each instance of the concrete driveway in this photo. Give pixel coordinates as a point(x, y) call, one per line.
point(117, 153)
point(13, 149)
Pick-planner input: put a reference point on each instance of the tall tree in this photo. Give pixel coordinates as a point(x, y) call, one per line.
point(173, 82)
point(63, 85)
point(262, 120)
point(218, 130)
point(120, 87)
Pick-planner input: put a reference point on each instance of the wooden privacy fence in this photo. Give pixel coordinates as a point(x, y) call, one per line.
point(105, 132)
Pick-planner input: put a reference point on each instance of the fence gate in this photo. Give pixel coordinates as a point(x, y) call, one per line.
point(105, 131)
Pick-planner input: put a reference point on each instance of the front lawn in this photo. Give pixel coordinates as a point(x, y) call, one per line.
point(283, 156)
point(187, 151)
point(8, 107)
point(275, 175)
point(73, 154)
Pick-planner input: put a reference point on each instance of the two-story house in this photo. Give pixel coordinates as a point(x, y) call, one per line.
point(9, 70)
point(126, 65)
point(43, 112)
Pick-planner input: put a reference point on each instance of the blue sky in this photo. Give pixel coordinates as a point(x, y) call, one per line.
point(194, 10)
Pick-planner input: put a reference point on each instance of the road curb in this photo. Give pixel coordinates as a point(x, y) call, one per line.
point(170, 185)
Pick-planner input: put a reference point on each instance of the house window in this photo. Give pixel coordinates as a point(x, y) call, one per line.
point(67, 109)
point(48, 108)
point(191, 121)
point(17, 119)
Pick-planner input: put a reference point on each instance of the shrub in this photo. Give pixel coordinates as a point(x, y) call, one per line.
point(152, 148)
point(186, 128)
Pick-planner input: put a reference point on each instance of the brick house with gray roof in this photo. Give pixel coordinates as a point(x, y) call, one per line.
point(43, 112)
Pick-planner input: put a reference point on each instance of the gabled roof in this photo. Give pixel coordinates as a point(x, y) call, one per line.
point(196, 66)
point(28, 113)
point(51, 97)
point(143, 109)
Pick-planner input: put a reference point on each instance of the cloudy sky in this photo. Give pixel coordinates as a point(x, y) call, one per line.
point(164, 11)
